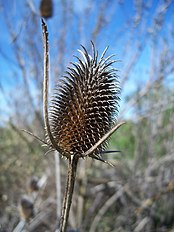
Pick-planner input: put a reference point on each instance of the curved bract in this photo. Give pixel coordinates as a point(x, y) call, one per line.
point(84, 105)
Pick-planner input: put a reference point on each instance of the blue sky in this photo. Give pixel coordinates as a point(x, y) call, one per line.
point(119, 34)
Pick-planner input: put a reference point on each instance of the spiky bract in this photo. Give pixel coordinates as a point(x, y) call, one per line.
point(85, 104)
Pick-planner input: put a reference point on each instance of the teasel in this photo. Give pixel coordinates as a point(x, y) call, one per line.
point(84, 105)
point(83, 112)
point(46, 8)
point(26, 208)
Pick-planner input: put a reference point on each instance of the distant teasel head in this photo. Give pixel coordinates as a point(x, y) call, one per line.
point(84, 105)
point(26, 208)
point(46, 8)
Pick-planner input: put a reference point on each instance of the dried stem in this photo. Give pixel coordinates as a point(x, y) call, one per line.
point(68, 192)
point(58, 182)
point(105, 207)
point(45, 85)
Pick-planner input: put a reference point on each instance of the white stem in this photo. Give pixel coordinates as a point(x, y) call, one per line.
point(20, 226)
point(58, 182)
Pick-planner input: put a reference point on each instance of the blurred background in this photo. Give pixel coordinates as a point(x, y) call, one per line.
point(138, 193)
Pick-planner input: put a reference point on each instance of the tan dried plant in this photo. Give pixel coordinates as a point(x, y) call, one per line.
point(82, 113)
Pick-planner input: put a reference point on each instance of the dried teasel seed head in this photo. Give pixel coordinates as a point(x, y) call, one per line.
point(46, 8)
point(33, 185)
point(26, 208)
point(85, 104)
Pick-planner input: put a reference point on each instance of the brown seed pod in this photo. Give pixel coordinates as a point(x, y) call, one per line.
point(85, 104)
point(33, 184)
point(26, 208)
point(46, 8)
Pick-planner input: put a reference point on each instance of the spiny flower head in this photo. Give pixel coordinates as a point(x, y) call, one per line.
point(84, 105)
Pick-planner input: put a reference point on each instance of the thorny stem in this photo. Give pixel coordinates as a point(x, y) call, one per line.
point(68, 192)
